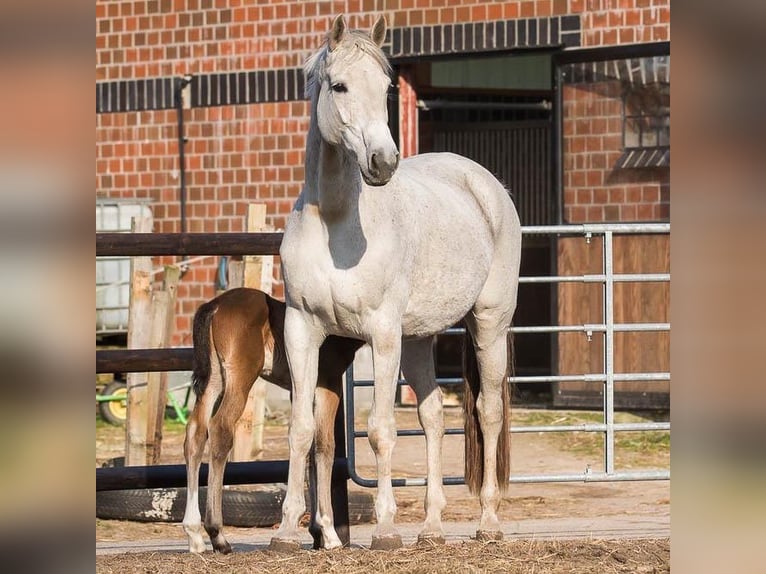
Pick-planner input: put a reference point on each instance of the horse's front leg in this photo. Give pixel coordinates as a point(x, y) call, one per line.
point(325, 406)
point(302, 344)
point(386, 352)
point(418, 369)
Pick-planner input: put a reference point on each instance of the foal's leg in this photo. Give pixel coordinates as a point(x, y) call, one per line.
point(325, 406)
point(418, 369)
point(239, 379)
point(491, 344)
point(302, 346)
point(194, 446)
point(386, 351)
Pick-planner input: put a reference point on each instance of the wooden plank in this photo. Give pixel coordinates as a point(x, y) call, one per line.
point(154, 394)
point(163, 317)
point(642, 303)
point(139, 333)
point(579, 304)
point(156, 244)
point(248, 432)
point(633, 303)
point(135, 360)
point(236, 273)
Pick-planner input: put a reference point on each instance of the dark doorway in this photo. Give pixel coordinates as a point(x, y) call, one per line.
point(508, 131)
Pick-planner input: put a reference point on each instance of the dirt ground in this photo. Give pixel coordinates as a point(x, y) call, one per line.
point(532, 453)
point(555, 557)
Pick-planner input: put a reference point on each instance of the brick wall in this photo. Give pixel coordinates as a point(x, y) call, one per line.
point(235, 155)
point(246, 127)
point(594, 190)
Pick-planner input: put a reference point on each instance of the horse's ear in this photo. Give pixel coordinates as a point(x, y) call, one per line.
point(337, 31)
point(378, 32)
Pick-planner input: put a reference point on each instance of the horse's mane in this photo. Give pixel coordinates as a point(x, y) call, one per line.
point(354, 44)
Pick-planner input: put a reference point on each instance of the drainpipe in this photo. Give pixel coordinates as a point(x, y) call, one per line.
point(180, 90)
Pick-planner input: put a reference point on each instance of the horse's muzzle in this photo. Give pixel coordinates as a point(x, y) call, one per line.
point(381, 168)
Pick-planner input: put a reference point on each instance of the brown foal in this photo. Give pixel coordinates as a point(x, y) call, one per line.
point(238, 336)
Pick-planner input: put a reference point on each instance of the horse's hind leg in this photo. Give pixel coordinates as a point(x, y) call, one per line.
point(238, 383)
point(194, 446)
point(491, 347)
point(418, 369)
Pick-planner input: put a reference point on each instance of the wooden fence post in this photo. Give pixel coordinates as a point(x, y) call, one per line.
point(163, 315)
point(139, 332)
point(248, 433)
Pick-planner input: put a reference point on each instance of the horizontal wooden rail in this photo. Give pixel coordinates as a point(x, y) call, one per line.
point(152, 244)
point(144, 360)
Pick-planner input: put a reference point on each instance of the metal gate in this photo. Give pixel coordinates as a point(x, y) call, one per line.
point(606, 379)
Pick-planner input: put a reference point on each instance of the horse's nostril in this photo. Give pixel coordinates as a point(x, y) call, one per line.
point(374, 162)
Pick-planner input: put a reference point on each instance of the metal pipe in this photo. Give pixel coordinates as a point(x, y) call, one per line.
point(586, 476)
point(427, 105)
point(599, 278)
point(597, 228)
point(180, 85)
point(585, 427)
point(587, 378)
point(601, 327)
point(609, 354)
point(558, 140)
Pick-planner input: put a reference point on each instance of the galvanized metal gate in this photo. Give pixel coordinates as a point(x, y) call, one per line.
point(607, 379)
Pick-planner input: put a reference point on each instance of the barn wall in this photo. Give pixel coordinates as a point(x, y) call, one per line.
point(248, 119)
point(594, 190)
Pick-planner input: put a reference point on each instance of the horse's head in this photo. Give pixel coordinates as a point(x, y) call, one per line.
point(348, 81)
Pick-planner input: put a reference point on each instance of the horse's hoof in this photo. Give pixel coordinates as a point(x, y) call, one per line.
point(391, 542)
point(196, 545)
point(284, 545)
point(224, 548)
point(489, 535)
point(430, 540)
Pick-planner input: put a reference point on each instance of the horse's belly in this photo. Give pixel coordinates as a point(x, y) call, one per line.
point(438, 308)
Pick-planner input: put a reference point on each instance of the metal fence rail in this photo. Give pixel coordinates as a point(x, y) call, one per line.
point(608, 378)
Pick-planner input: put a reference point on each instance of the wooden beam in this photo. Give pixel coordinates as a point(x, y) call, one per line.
point(123, 244)
point(136, 360)
point(139, 335)
point(248, 433)
point(163, 317)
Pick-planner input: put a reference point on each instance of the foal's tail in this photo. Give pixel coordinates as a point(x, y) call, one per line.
point(474, 439)
point(201, 339)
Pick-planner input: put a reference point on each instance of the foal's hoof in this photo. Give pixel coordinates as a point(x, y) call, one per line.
point(284, 545)
point(489, 535)
point(391, 542)
point(430, 540)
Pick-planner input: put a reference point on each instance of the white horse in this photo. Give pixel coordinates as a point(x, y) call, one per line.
point(393, 253)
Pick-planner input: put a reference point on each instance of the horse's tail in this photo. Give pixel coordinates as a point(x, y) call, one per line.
point(201, 339)
point(474, 439)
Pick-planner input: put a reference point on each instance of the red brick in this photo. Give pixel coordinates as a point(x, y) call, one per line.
point(645, 212)
point(584, 196)
point(595, 214)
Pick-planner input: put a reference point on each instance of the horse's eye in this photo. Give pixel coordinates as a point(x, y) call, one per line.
point(339, 87)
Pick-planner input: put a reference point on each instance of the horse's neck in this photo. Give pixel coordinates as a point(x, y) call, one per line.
point(333, 182)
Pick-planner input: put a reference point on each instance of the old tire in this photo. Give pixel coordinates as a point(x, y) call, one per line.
point(240, 508)
point(115, 412)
